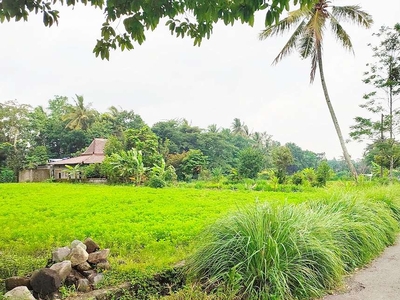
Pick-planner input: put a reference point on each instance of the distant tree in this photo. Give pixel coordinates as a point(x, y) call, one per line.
point(282, 158)
point(302, 159)
point(385, 153)
point(240, 128)
point(192, 164)
point(181, 136)
point(122, 119)
point(384, 76)
point(14, 134)
point(36, 157)
point(144, 140)
point(80, 116)
point(13, 121)
point(323, 173)
point(113, 145)
point(307, 38)
point(251, 162)
point(175, 160)
point(213, 128)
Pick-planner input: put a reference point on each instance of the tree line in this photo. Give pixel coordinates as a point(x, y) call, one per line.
point(30, 136)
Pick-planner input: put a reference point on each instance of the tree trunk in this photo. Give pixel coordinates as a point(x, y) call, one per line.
point(391, 132)
point(333, 115)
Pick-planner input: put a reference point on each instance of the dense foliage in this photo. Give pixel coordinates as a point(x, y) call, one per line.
point(381, 121)
point(137, 16)
point(29, 136)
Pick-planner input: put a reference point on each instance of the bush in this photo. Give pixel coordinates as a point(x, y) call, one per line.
point(292, 251)
point(324, 172)
point(298, 178)
point(93, 171)
point(7, 175)
point(156, 182)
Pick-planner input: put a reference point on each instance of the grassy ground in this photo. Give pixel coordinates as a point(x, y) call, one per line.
point(146, 229)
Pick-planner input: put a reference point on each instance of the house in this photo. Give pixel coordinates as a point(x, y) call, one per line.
point(94, 154)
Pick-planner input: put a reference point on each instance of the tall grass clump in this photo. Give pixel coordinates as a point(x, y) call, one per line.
point(366, 227)
point(270, 252)
point(291, 251)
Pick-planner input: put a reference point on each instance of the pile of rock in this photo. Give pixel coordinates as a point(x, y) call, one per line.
point(79, 265)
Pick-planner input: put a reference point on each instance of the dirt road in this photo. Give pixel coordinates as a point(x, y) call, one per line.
point(378, 281)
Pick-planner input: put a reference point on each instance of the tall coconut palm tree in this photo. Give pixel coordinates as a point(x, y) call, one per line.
point(213, 128)
point(80, 116)
point(307, 39)
point(240, 128)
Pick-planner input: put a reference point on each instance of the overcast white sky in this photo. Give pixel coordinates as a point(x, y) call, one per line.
point(229, 76)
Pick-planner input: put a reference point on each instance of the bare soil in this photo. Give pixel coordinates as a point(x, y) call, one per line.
point(380, 280)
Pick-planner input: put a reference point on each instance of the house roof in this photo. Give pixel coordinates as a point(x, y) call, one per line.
point(94, 154)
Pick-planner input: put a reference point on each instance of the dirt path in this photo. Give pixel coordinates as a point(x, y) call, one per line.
point(378, 281)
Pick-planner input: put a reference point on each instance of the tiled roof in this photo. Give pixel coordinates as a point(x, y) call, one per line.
point(96, 147)
point(94, 154)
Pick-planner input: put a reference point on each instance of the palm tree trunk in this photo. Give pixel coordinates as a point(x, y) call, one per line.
point(391, 132)
point(333, 115)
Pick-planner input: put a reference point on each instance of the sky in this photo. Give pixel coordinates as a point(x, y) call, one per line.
point(229, 76)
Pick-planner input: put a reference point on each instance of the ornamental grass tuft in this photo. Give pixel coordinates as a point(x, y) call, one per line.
point(292, 251)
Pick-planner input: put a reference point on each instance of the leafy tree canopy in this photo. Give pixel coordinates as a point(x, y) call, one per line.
point(184, 17)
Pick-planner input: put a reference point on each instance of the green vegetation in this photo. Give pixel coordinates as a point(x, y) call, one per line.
point(308, 38)
point(294, 251)
point(138, 16)
point(145, 228)
point(257, 243)
point(382, 119)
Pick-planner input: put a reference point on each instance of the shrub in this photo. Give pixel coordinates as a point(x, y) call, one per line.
point(156, 182)
point(292, 251)
point(7, 175)
point(324, 172)
point(298, 178)
point(310, 176)
point(93, 171)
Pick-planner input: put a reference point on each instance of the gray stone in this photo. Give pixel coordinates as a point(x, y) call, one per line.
point(83, 267)
point(98, 278)
point(78, 256)
point(73, 278)
point(63, 269)
point(83, 285)
point(77, 243)
point(45, 281)
point(55, 296)
point(98, 256)
point(70, 280)
point(60, 254)
point(77, 274)
point(88, 273)
point(13, 282)
point(19, 293)
point(91, 246)
point(103, 265)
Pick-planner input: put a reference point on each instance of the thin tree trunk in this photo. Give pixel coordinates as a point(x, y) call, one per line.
point(381, 141)
point(391, 132)
point(333, 115)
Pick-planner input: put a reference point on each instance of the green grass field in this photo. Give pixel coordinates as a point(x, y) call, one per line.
point(146, 229)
